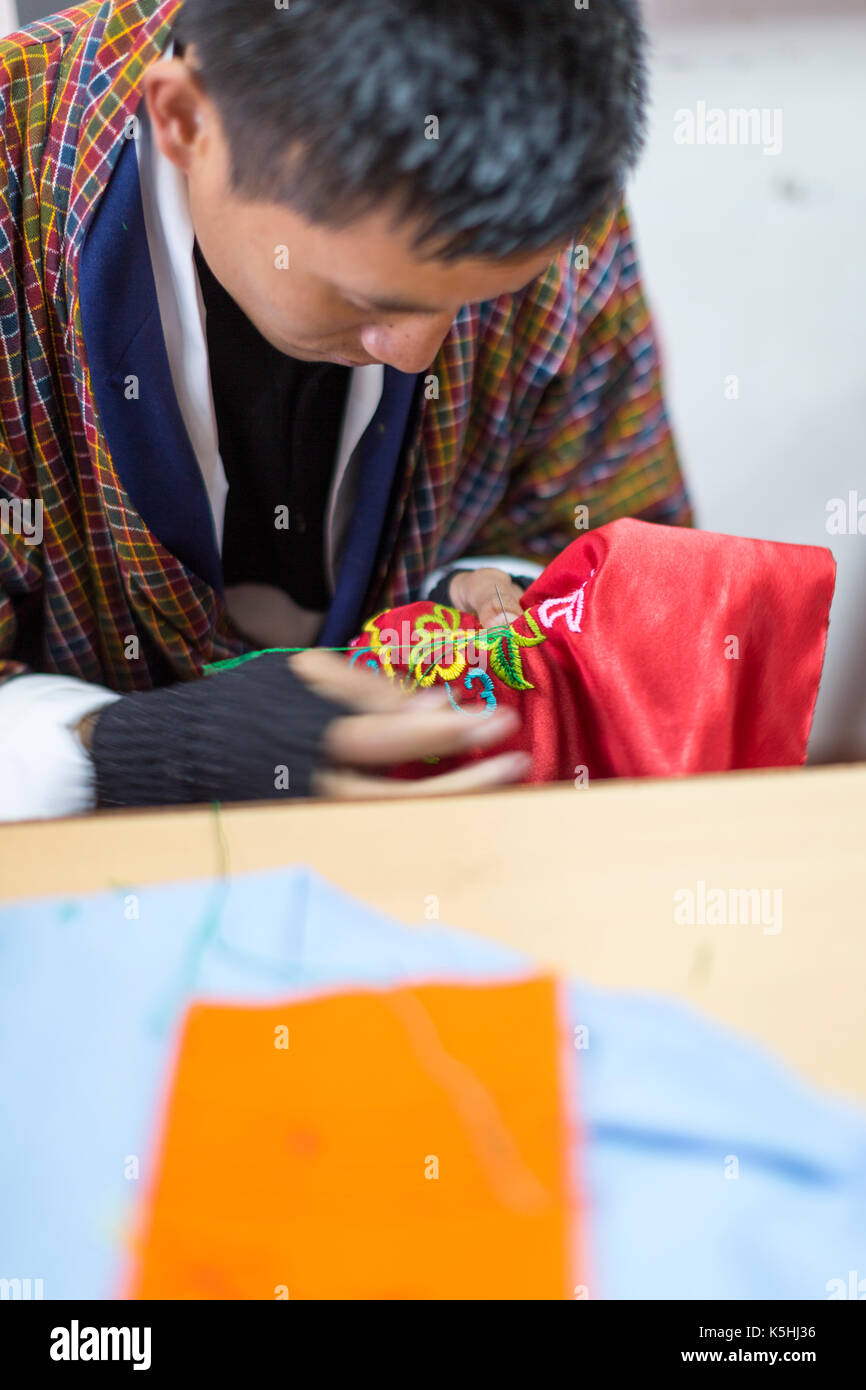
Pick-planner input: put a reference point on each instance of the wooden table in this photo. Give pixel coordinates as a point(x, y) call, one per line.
point(581, 878)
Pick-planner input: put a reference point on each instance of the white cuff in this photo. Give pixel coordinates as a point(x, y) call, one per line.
point(46, 770)
point(510, 563)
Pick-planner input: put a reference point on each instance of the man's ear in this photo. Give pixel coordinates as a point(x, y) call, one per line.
point(178, 108)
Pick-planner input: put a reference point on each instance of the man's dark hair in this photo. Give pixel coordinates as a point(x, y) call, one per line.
point(326, 107)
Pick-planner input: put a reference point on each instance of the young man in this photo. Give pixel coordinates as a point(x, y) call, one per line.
point(305, 310)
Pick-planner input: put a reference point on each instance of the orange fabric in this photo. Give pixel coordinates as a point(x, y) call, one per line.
point(305, 1168)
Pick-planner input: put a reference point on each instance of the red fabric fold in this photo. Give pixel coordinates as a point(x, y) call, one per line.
point(643, 650)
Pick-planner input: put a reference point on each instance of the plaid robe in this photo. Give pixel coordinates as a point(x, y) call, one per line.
point(549, 400)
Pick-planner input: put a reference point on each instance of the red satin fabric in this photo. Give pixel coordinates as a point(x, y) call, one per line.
point(650, 651)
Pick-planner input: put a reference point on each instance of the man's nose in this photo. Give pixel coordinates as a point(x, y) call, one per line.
point(409, 343)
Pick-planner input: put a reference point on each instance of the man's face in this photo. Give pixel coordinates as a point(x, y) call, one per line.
point(354, 296)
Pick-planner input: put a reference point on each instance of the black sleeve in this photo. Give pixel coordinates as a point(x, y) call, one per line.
point(249, 733)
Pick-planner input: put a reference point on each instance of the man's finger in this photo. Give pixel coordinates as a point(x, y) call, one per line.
point(344, 785)
point(490, 611)
point(486, 592)
point(359, 687)
point(368, 740)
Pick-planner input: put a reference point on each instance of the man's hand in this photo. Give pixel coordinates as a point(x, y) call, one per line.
point(277, 726)
point(388, 726)
point(474, 591)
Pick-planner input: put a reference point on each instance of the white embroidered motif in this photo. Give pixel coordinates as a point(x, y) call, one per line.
point(570, 608)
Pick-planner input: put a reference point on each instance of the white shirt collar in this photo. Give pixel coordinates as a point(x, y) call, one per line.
point(170, 237)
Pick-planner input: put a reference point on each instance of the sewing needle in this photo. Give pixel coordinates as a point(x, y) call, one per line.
point(502, 606)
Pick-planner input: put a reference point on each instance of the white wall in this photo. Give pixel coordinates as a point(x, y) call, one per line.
point(690, 11)
point(755, 267)
point(8, 16)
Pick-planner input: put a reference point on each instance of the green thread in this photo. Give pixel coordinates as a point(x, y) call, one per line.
point(231, 661)
point(501, 641)
point(183, 989)
point(266, 651)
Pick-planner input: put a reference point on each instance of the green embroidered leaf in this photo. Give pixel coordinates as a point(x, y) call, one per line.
point(505, 660)
point(504, 644)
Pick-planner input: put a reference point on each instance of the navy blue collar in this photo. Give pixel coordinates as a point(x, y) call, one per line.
point(129, 370)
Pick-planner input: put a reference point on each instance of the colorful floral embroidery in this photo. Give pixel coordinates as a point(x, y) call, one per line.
point(504, 645)
point(438, 648)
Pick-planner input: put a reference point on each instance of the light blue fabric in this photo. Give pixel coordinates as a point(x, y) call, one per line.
point(90, 1003)
point(670, 1099)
